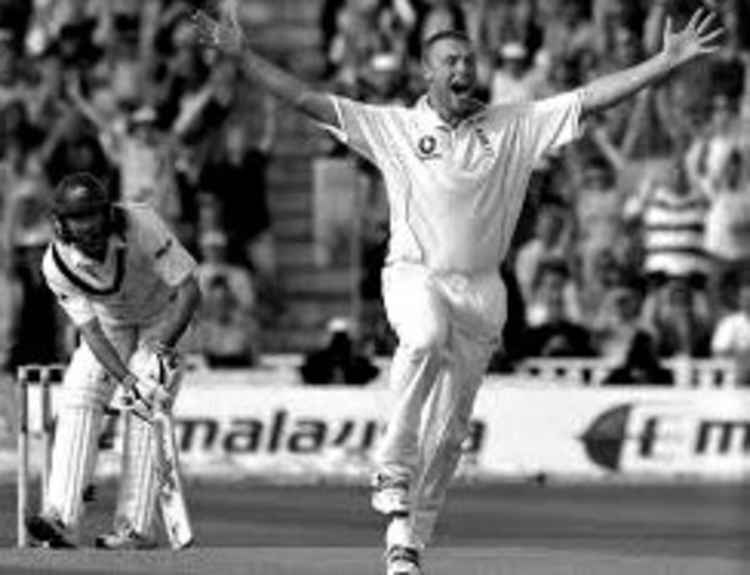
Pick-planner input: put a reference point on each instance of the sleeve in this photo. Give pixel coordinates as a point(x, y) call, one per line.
point(547, 124)
point(362, 127)
point(76, 305)
point(171, 261)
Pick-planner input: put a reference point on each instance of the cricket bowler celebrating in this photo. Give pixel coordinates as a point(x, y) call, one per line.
point(456, 173)
point(129, 287)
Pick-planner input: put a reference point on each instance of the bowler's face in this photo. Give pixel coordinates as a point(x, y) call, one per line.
point(451, 73)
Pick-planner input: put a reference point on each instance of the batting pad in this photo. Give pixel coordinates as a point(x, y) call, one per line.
point(73, 461)
point(137, 495)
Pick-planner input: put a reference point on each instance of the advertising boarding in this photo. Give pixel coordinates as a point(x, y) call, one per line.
point(235, 426)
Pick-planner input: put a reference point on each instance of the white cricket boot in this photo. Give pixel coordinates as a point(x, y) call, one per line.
point(401, 560)
point(390, 496)
point(125, 539)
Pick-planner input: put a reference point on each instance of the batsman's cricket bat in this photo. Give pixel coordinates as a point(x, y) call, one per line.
point(171, 497)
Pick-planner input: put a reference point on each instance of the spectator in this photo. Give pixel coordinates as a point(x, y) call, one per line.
point(328, 22)
point(35, 334)
point(15, 16)
point(677, 315)
point(144, 154)
point(728, 227)
point(236, 178)
point(597, 285)
point(11, 84)
point(48, 101)
point(732, 335)
point(214, 263)
point(71, 147)
point(508, 84)
point(126, 29)
point(617, 322)
point(76, 47)
point(227, 333)
point(553, 275)
point(227, 336)
point(568, 33)
point(18, 134)
point(708, 154)
point(598, 210)
point(383, 80)
point(556, 335)
point(339, 361)
point(365, 28)
point(218, 105)
point(672, 215)
point(515, 22)
point(184, 73)
point(548, 242)
point(641, 366)
point(730, 65)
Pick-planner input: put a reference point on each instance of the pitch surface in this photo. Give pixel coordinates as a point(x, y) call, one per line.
point(511, 529)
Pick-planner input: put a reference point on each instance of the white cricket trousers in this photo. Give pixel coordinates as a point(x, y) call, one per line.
point(448, 326)
point(86, 390)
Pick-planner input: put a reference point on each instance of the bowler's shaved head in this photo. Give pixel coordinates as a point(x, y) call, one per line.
point(438, 37)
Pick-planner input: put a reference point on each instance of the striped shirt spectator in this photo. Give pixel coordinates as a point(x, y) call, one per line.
point(672, 216)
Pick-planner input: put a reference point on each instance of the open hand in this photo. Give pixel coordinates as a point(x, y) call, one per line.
point(698, 38)
point(218, 34)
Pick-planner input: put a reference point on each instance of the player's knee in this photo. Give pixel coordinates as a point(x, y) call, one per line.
point(429, 339)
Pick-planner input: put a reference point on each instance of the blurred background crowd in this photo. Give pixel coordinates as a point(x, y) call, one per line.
point(634, 243)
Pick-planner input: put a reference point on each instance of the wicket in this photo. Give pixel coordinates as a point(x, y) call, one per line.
point(44, 376)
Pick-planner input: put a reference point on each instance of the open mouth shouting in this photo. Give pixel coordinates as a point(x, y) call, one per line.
point(461, 88)
point(461, 95)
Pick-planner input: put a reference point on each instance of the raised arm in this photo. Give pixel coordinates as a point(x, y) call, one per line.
point(223, 36)
point(678, 48)
point(73, 90)
point(270, 125)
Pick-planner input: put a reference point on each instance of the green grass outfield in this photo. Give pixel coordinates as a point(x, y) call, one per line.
point(523, 529)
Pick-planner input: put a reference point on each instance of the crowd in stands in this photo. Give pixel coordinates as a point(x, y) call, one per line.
point(635, 241)
point(123, 89)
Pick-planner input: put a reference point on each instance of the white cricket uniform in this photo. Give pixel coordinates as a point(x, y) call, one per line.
point(130, 293)
point(455, 195)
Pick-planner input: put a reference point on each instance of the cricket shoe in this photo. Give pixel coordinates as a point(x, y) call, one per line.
point(401, 560)
point(49, 529)
point(125, 539)
point(390, 496)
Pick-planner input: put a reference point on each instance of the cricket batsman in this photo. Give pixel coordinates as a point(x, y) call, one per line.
point(130, 288)
point(456, 173)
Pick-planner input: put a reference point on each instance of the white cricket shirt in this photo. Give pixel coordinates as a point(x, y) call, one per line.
point(455, 193)
point(135, 282)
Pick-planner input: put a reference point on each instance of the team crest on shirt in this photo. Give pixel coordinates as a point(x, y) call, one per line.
point(427, 147)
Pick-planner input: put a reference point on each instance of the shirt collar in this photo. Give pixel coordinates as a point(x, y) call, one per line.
point(431, 116)
point(80, 260)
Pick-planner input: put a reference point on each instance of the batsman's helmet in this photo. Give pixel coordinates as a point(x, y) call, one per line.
point(79, 195)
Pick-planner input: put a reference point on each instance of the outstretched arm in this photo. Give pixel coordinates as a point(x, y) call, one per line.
point(223, 36)
point(695, 40)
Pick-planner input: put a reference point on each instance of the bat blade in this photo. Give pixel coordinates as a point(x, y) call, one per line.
point(171, 496)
